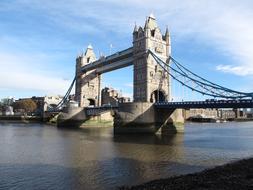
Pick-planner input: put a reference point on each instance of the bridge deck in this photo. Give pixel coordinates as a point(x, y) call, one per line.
point(115, 61)
point(247, 103)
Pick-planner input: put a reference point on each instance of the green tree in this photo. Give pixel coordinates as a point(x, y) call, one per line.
point(1, 107)
point(28, 105)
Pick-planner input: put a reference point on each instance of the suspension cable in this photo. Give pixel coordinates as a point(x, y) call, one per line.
point(222, 87)
point(208, 91)
point(65, 97)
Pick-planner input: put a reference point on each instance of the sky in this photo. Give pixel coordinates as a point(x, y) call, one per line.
point(40, 40)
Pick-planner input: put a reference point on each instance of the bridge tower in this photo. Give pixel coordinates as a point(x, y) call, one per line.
point(151, 83)
point(87, 84)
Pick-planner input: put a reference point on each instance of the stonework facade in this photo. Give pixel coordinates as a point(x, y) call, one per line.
point(109, 96)
point(151, 83)
point(203, 113)
point(87, 84)
point(112, 97)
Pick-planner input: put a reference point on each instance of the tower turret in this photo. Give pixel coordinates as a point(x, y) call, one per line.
point(168, 41)
point(135, 32)
point(87, 84)
point(151, 83)
point(135, 28)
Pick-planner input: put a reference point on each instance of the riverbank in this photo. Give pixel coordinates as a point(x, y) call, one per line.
point(232, 176)
point(19, 118)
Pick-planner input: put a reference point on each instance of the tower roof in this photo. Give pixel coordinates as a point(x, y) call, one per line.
point(89, 46)
point(89, 52)
point(152, 15)
point(151, 22)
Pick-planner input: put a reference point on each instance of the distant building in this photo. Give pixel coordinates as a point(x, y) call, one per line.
point(204, 113)
point(8, 110)
point(44, 103)
point(248, 112)
point(226, 113)
point(244, 113)
point(218, 113)
point(110, 96)
point(124, 99)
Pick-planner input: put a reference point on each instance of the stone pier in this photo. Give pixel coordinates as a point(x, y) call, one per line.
point(75, 117)
point(143, 117)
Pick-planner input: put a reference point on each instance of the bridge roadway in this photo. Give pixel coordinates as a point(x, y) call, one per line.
point(244, 103)
point(115, 61)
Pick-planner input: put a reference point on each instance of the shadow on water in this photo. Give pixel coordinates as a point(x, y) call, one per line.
point(152, 139)
point(105, 174)
point(148, 139)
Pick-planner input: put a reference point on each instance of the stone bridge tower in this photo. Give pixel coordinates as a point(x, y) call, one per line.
point(87, 84)
point(151, 83)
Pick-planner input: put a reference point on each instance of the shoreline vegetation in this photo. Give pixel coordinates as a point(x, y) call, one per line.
point(236, 175)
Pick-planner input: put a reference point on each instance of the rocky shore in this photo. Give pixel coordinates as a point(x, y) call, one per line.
point(233, 176)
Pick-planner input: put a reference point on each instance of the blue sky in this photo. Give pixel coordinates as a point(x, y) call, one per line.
point(40, 39)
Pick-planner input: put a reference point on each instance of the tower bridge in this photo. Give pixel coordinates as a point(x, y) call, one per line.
point(154, 69)
point(150, 81)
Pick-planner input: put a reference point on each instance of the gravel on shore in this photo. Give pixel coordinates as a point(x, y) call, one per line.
point(232, 176)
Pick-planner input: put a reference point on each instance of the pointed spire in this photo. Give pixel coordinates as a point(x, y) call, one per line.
point(79, 54)
point(88, 50)
point(152, 15)
point(135, 28)
point(146, 23)
point(167, 33)
point(89, 54)
point(89, 46)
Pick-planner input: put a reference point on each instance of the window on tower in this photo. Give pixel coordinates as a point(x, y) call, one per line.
point(153, 33)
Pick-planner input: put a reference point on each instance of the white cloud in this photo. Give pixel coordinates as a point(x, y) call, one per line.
point(17, 73)
point(237, 70)
point(226, 25)
point(129, 85)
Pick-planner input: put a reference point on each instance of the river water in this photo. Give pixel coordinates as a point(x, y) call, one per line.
point(37, 156)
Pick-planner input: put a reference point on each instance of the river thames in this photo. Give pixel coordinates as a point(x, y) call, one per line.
point(38, 156)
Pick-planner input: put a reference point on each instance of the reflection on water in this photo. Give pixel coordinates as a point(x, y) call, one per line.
point(44, 157)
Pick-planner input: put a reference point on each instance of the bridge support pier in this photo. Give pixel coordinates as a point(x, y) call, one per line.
point(71, 117)
point(143, 117)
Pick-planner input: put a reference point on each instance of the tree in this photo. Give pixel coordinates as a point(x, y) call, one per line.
point(1, 107)
point(28, 105)
point(7, 101)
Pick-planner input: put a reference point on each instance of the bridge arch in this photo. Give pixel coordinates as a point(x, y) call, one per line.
point(92, 102)
point(53, 105)
point(157, 96)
